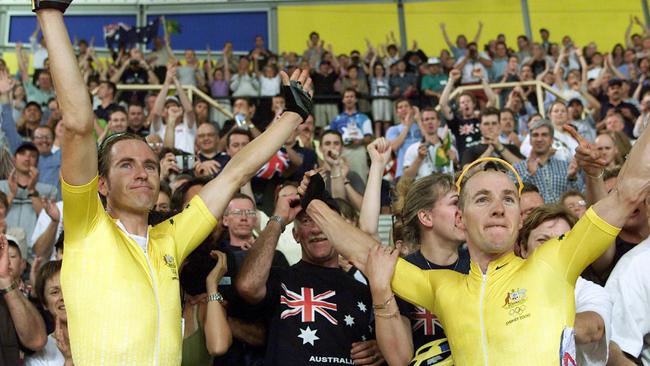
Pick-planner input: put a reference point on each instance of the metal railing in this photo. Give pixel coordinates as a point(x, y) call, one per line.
point(540, 88)
point(192, 91)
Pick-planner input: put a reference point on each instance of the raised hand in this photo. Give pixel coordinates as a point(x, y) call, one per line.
point(380, 266)
point(287, 207)
point(33, 179)
point(6, 82)
point(454, 75)
point(5, 273)
point(217, 273)
point(51, 209)
point(297, 91)
point(587, 156)
point(379, 151)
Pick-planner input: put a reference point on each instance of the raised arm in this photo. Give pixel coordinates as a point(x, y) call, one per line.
point(489, 93)
point(380, 152)
point(28, 323)
point(155, 116)
point(628, 32)
point(22, 63)
point(218, 336)
point(188, 109)
point(478, 32)
point(454, 76)
point(443, 29)
point(243, 166)
point(79, 152)
point(349, 241)
point(254, 272)
point(393, 330)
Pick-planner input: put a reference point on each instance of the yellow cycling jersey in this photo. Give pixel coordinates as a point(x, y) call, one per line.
point(515, 313)
point(124, 306)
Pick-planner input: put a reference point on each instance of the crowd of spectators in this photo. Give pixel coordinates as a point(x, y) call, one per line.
point(385, 135)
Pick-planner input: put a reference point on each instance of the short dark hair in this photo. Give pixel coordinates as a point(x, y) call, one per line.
point(178, 196)
point(331, 132)
point(238, 131)
point(134, 103)
point(241, 196)
point(117, 109)
point(529, 187)
point(350, 90)
point(111, 85)
point(104, 150)
point(571, 193)
point(490, 111)
point(47, 271)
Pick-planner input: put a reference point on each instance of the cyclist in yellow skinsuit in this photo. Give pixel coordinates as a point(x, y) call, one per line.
point(120, 275)
point(506, 311)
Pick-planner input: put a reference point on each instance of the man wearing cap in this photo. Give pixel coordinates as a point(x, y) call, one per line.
point(20, 322)
point(49, 163)
point(586, 126)
point(24, 191)
point(615, 100)
point(178, 116)
point(434, 82)
point(29, 121)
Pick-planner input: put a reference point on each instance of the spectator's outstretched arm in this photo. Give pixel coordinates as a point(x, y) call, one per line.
point(380, 152)
point(448, 41)
point(349, 241)
point(79, 152)
point(155, 117)
point(478, 32)
point(243, 166)
point(28, 323)
point(454, 76)
point(393, 330)
point(188, 108)
point(632, 185)
point(254, 272)
point(22, 63)
point(218, 336)
point(628, 32)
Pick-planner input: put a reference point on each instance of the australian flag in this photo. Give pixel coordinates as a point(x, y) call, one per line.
point(123, 35)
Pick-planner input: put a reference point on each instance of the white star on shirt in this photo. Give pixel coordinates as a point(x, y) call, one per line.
point(370, 328)
point(361, 306)
point(308, 336)
point(363, 338)
point(349, 320)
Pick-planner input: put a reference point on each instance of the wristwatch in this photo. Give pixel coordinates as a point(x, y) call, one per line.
point(216, 297)
point(11, 287)
point(279, 220)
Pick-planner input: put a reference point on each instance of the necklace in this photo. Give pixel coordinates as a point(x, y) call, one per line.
point(429, 263)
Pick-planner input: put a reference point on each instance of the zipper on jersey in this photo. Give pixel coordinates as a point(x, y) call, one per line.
point(155, 294)
point(483, 335)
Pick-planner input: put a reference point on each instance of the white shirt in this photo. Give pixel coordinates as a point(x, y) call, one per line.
point(629, 288)
point(591, 297)
point(142, 241)
point(48, 356)
point(184, 136)
point(42, 223)
point(269, 87)
point(428, 164)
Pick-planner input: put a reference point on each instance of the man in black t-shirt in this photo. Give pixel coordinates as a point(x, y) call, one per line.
point(317, 313)
point(490, 145)
point(325, 95)
point(464, 124)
